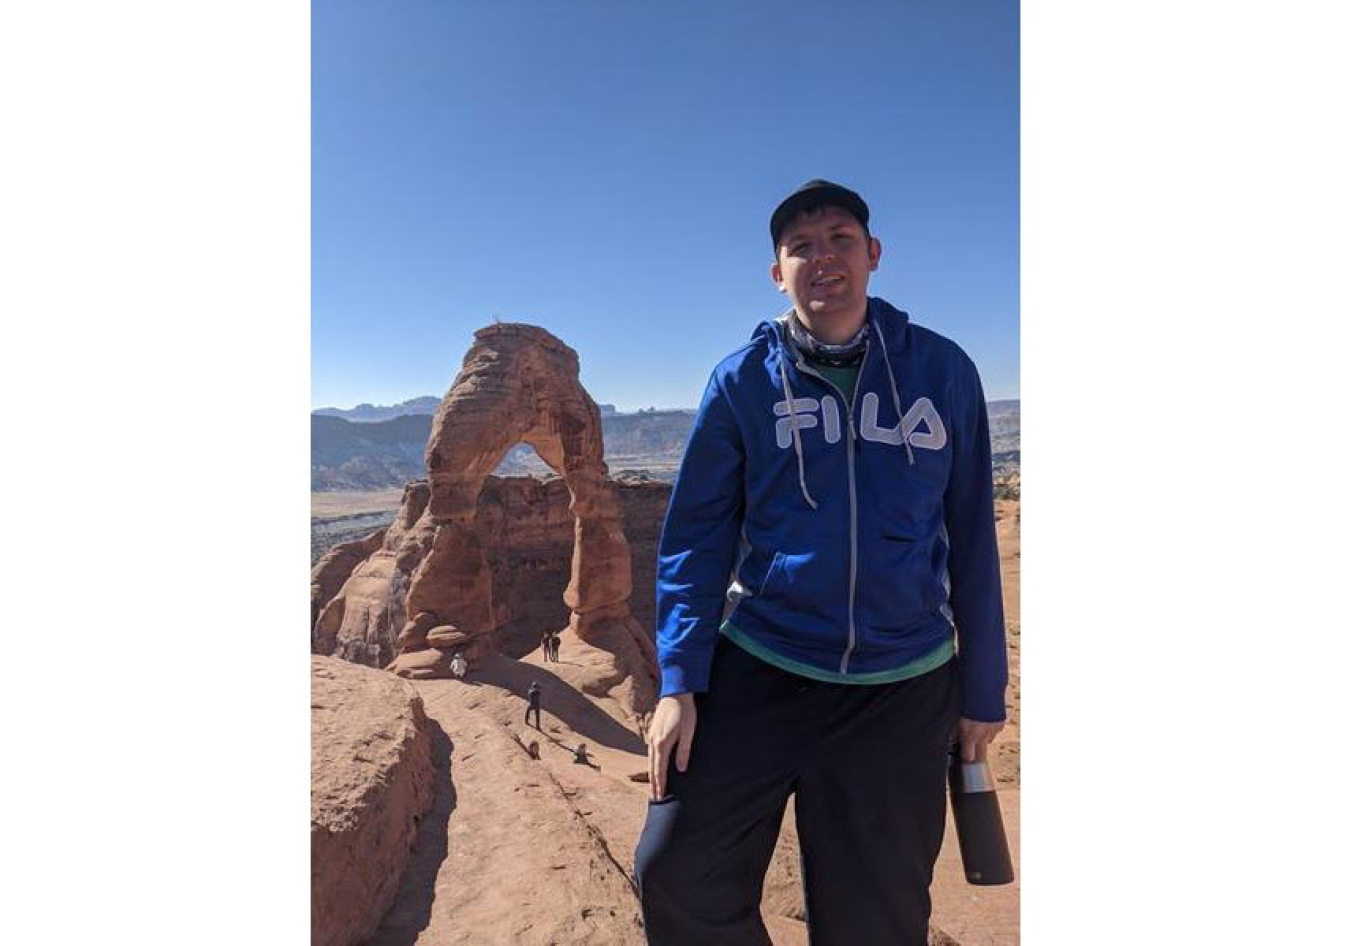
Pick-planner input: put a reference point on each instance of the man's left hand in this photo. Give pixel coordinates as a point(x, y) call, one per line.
point(975, 737)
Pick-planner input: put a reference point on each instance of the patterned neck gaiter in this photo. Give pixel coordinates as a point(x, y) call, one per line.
point(836, 356)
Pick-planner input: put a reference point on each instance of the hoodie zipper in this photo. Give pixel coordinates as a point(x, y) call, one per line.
point(852, 499)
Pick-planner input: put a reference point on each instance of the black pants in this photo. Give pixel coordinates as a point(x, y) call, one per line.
point(867, 765)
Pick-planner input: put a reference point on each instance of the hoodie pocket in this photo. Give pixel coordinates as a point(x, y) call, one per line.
point(797, 582)
point(900, 590)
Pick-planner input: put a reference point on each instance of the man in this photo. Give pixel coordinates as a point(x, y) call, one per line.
point(839, 473)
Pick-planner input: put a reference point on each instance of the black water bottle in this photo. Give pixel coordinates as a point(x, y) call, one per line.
point(979, 823)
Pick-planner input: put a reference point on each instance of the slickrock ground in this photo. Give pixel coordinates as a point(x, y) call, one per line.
point(519, 851)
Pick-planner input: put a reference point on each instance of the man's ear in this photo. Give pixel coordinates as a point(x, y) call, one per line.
point(776, 274)
point(873, 254)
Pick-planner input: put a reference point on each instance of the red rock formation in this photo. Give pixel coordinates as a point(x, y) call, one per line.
point(331, 572)
point(643, 502)
point(360, 623)
point(527, 531)
point(370, 780)
point(518, 384)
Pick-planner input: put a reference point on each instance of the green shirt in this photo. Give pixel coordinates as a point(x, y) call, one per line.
point(844, 378)
point(935, 658)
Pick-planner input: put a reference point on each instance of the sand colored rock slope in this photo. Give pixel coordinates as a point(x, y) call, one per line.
point(512, 852)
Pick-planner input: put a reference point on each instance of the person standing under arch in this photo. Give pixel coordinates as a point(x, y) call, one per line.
point(535, 696)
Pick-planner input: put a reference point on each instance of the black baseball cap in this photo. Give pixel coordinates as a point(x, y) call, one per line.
point(811, 195)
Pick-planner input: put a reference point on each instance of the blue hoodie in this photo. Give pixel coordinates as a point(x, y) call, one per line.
point(845, 545)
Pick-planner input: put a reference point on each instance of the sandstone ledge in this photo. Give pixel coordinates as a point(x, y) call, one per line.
point(370, 781)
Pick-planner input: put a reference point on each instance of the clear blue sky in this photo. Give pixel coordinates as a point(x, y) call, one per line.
point(606, 170)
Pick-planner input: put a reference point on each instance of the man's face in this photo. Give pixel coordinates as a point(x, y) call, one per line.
point(823, 261)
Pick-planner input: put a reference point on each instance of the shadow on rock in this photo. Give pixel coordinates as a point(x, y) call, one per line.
point(411, 912)
point(559, 700)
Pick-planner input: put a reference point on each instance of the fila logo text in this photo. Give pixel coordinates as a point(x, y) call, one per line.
point(922, 425)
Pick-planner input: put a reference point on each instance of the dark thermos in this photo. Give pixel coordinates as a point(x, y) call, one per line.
point(979, 823)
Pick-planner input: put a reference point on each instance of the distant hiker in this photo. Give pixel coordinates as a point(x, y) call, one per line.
point(546, 645)
point(458, 665)
point(554, 645)
point(535, 695)
point(580, 758)
point(839, 470)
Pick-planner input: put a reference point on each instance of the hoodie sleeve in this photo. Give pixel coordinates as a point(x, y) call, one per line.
point(698, 545)
point(977, 590)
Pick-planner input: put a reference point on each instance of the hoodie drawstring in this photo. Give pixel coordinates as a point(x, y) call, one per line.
point(796, 434)
point(895, 396)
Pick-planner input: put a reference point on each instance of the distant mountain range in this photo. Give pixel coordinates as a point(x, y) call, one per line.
point(371, 413)
point(369, 448)
point(375, 454)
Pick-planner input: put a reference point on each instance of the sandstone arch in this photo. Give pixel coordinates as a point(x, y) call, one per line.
point(430, 578)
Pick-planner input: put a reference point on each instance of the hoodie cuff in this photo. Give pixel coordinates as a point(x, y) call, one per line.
point(984, 710)
point(676, 679)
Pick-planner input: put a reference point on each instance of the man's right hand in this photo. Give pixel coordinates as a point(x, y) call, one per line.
point(671, 731)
